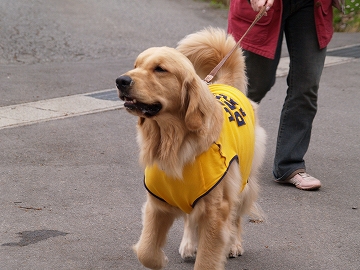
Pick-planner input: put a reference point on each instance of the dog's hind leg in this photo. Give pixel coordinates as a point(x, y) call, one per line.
point(189, 241)
point(157, 220)
point(236, 248)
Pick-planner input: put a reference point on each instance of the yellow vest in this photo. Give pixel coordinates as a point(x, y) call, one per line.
point(236, 142)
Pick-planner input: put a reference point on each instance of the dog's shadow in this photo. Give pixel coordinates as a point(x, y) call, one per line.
point(33, 237)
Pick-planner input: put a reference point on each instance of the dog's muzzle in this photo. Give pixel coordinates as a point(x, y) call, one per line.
point(124, 84)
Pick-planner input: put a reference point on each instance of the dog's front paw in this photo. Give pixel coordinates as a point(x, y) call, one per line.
point(153, 260)
point(187, 250)
point(236, 250)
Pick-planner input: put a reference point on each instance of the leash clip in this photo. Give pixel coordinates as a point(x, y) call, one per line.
point(208, 78)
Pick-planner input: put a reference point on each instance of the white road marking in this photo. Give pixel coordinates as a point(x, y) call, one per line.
point(53, 109)
point(99, 101)
point(283, 67)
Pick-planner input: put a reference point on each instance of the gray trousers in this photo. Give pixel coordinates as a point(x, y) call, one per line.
point(300, 105)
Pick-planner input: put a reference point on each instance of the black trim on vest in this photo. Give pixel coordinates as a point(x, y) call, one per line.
point(214, 186)
point(161, 199)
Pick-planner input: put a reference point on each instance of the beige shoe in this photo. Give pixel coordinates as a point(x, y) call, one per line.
point(304, 181)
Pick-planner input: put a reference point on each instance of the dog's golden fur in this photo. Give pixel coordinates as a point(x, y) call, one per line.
point(189, 121)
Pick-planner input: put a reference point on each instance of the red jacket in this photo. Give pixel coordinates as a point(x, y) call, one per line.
point(262, 39)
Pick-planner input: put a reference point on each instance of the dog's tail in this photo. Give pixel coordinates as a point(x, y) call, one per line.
point(206, 48)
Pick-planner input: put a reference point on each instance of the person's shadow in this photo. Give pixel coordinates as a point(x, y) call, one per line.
point(32, 237)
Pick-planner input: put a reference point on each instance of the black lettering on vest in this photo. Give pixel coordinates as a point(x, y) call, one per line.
point(230, 106)
point(231, 118)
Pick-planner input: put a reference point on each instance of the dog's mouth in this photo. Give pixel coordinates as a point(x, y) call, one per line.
point(148, 110)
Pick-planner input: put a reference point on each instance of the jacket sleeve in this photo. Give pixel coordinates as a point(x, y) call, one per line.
point(262, 39)
point(324, 21)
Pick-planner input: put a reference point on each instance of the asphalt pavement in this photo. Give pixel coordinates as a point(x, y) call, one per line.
point(70, 185)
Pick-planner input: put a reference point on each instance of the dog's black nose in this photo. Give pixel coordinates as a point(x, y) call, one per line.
point(124, 82)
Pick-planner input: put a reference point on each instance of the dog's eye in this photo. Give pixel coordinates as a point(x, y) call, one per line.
point(159, 69)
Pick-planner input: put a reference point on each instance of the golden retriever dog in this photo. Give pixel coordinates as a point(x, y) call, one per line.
point(201, 147)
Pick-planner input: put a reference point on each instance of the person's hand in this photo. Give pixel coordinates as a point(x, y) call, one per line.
point(258, 4)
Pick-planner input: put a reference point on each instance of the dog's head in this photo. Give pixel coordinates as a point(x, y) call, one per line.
point(162, 82)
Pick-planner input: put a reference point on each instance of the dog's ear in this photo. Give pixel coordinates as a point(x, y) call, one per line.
point(194, 117)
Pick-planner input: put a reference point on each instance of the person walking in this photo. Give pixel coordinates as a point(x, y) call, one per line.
point(307, 26)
